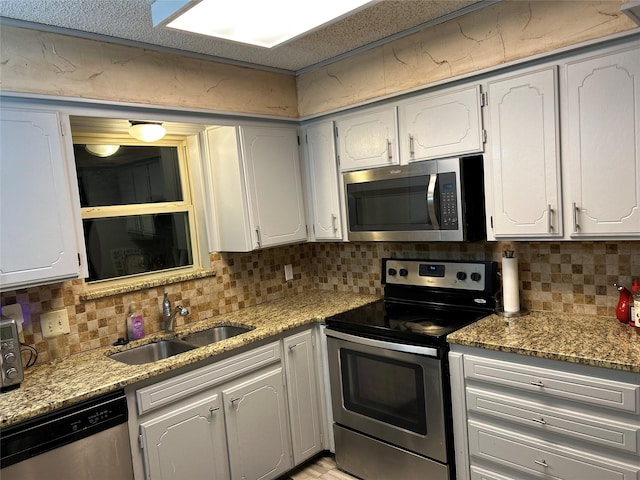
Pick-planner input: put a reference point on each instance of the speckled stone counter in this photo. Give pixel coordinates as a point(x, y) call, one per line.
point(78, 377)
point(588, 340)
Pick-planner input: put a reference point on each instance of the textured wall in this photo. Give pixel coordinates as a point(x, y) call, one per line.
point(504, 32)
point(572, 277)
point(52, 64)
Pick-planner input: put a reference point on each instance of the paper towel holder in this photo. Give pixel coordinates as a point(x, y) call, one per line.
point(522, 312)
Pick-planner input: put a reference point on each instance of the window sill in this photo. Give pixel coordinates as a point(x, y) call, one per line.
point(97, 293)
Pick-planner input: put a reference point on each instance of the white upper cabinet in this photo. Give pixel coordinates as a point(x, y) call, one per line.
point(603, 145)
point(322, 175)
point(37, 223)
point(522, 164)
point(368, 139)
point(256, 185)
point(441, 124)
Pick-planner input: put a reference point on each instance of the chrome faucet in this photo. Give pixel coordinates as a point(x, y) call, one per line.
point(169, 316)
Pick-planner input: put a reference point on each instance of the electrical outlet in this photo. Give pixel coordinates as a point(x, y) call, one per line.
point(54, 323)
point(288, 272)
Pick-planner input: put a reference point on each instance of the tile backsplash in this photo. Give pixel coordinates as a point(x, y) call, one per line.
point(573, 277)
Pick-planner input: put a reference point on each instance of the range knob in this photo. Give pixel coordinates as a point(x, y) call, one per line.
point(9, 357)
point(475, 276)
point(392, 272)
point(404, 272)
point(11, 373)
point(461, 275)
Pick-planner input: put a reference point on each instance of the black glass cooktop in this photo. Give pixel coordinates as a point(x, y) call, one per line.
point(423, 325)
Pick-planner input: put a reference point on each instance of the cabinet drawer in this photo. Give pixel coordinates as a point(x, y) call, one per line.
point(595, 430)
point(538, 458)
point(174, 389)
point(580, 388)
point(478, 473)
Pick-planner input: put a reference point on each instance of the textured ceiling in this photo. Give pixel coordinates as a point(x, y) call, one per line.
point(129, 21)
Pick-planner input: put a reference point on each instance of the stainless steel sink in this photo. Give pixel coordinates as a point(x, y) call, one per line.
point(151, 352)
point(214, 334)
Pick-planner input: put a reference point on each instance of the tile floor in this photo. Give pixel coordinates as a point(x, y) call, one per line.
point(322, 467)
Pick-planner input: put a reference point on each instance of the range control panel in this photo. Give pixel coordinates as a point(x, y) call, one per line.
point(459, 275)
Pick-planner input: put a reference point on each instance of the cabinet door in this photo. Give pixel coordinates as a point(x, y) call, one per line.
point(441, 124)
point(302, 391)
point(323, 181)
point(257, 428)
point(603, 148)
point(524, 160)
point(189, 442)
point(368, 139)
point(274, 184)
point(37, 230)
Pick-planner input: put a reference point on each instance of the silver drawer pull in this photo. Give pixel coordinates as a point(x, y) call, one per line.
point(213, 410)
point(542, 463)
point(537, 384)
point(540, 420)
point(291, 347)
point(235, 402)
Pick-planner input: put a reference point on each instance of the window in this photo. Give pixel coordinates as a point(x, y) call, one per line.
point(137, 213)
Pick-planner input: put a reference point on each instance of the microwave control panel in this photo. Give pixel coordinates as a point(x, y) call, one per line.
point(448, 197)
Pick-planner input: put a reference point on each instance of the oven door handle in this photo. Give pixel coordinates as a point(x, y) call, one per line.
point(370, 342)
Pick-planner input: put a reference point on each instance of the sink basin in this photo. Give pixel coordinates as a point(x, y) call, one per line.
point(214, 334)
point(151, 352)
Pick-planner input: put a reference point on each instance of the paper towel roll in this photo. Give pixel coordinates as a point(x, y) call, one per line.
point(510, 285)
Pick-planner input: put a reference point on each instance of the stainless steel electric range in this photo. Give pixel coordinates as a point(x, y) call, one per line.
point(388, 368)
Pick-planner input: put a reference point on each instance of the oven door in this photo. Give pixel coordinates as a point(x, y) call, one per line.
point(390, 391)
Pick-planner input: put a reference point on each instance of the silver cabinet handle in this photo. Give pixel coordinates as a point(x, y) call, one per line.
point(389, 154)
point(542, 463)
point(537, 384)
point(411, 152)
point(258, 237)
point(576, 226)
point(235, 402)
point(431, 207)
point(540, 420)
point(550, 216)
point(334, 217)
point(292, 347)
point(213, 410)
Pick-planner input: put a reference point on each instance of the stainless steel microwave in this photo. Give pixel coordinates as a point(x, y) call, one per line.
point(428, 201)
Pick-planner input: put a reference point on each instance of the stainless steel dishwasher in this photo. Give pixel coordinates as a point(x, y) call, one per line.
point(87, 440)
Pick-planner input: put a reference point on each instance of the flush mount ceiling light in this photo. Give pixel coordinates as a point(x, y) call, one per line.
point(255, 22)
point(102, 150)
point(632, 9)
point(146, 131)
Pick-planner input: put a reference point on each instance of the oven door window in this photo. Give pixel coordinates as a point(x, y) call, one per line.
point(398, 204)
point(385, 389)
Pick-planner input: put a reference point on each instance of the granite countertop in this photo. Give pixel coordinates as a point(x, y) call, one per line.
point(87, 374)
point(588, 340)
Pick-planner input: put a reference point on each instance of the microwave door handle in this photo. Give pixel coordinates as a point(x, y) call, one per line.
point(431, 205)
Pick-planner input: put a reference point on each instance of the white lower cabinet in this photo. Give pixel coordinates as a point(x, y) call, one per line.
point(257, 427)
point(518, 417)
point(252, 416)
point(164, 439)
point(302, 390)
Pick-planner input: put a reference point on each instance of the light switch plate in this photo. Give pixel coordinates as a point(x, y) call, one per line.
point(288, 272)
point(54, 323)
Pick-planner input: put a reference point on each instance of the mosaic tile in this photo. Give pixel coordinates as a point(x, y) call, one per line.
point(570, 277)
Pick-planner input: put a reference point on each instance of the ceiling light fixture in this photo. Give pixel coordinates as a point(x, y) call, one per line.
point(146, 131)
point(255, 22)
point(102, 150)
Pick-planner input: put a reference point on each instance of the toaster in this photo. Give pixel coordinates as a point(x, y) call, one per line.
point(11, 369)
